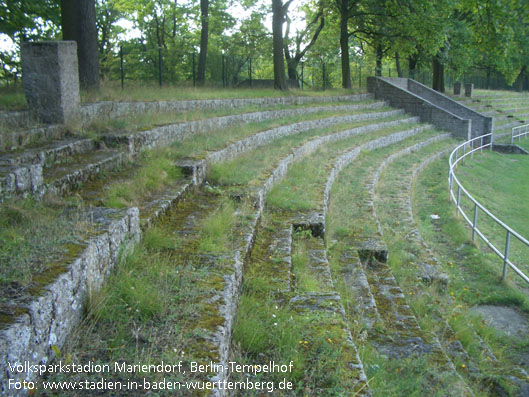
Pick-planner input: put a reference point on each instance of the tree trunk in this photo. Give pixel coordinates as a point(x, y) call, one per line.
point(378, 67)
point(344, 45)
point(280, 81)
point(397, 64)
point(412, 65)
point(204, 19)
point(292, 66)
point(518, 84)
point(78, 18)
point(438, 77)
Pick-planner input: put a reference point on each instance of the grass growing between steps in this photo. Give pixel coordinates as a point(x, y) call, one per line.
point(351, 222)
point(156, 171)
point(500, 182)
point(201, 142)
point(37, 234)
point(253, 166)
point(145, 121)
point(475, 276)
point(156, 304)
point(411, 376)
point(111, 91)
point(303, 187)
point(269, 327)
point(430, 301)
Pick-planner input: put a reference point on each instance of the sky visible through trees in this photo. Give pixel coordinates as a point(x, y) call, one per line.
point(335, 42)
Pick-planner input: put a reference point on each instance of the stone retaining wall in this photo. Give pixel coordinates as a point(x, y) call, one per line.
point(398, 97)
point(110, 109)
point(49, 318)
point(481, 125)
point(165, 135)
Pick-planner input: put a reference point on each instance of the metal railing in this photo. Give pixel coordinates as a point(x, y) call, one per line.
point(457, 190)
point(516, 134)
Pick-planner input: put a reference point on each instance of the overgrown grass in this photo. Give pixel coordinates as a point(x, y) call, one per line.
point(350, 219)
point(157, 170)
point(111, 91)
point(144, 121)
point(152, 307)
point(12, 98)
point(250, 167)
point(200, 143)
point(37, 234)
point(267, 327)
point(303, 187)
point(216, 231)
point(475, 274)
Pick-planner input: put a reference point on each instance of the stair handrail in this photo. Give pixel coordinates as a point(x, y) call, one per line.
point(453, 182)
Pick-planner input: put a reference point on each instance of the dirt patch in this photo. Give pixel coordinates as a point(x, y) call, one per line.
point(506, 319)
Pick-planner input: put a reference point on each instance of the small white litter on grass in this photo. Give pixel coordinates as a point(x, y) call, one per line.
point(435, 216)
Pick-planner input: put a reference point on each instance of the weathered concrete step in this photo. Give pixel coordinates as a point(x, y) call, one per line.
point(273, 253)
point(217, 288)
point(21, 180)
point(57, 296)
point(64, 178)
point(355, 282)
point(317, 262)
point(264, 137)
point(346, 158)
point(48, 154)
point(448, 337)
point(110, 110)
point(522, 116)
point(164, 135)
point(12, 140)
point(326, 304)
point(522, 109)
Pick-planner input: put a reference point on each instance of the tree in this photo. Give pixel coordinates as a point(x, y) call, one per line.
point(23, 20)
point(79, 23)
point(279, 11)
point(295, 57)
point(204, 33)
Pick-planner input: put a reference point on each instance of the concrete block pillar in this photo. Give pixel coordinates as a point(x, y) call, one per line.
point(50, 78)
point(457, 88)
point(469, 88)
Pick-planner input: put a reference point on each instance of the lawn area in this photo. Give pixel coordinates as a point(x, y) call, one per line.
point(501, 183)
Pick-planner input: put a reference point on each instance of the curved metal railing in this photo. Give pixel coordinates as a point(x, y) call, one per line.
point(519, 132)
point(478, 144)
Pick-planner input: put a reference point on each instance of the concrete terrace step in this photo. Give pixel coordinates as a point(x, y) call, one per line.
point(47, 154)
point(272, 256)
point(64, 178)
point(113, 109)
point(12, 140)
point(267, 136)
point(428, 269)
point(138, 141)
point(109, 110)
point(367, 277)
point(448, 337)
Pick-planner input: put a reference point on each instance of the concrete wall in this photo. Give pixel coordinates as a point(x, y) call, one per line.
point(398, 97)
point(481, 125)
